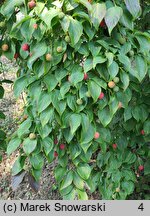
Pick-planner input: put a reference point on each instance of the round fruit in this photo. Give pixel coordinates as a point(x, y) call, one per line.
point(131, 53)
point(101, 96)
point(16, 55)
point(116, 89)
point(79, 101)
point(96, 135)
point(32, 136)
point(25, 117)
point(114, 146)
point(88, 94)
point(31, 4)
point(67, 39)
point(119, 105)
point(2, 24)
point(142, 132)
point(122, 40)
point(102, 24)
point(59, 49)
point(61, 15)
point(56, 141)
point(85, 76)
point(116, 79)
point(48, 57)
point(25, 47)
point(111, 84)
point(62, 146)
point(118, 190)
point(55, 154)
point(35, 26)
point(141, 167)
point(5, 47)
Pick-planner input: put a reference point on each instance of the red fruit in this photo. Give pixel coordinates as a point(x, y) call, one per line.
point(62, 146)
point(16, 55)
point(35, 26)
point(25, 47)
point(55, 141)
point(114, 146)
point(101, 95)
point(141, 167)
point(103, 24)
point(31, 4)
point(85, 76)
point(142, 132)
point(96, 135)
point(55, 154)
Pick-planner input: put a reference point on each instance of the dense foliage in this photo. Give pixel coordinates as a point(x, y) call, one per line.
point(85, 66)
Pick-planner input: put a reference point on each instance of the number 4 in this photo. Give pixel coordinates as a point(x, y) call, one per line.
point(141, 207)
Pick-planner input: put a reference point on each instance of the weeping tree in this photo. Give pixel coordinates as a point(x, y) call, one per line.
point(85, 68)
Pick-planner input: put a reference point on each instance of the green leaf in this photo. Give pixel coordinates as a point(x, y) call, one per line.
point(125, 80)
point(126, 20)
point(127, 113)
point(113, 70)
point(9, 6)
point(37, 161)
point(86, 4)
point(19, 85)
point(38, 50)
point(112, 17)
point(78, 181)
point(76, 75)
point(147, 127)
point(97, 14)
point(141, 67)
point(50, 81)
point(147, 167)
point(133, 7)
point(75, 31)
point(18, 165)
point(74, 122)
point(84, 171)
point(1, 92)
point(88, 65)
point(2, 115)
point(59, 173)
point(94, 89)
point(47, 144)
point(87, 136)
point(65, 87)
point(75, 151)
point(24, 127)
point(47, 16)
point(67, 180)
point(27, 29)
point(82, 195)
point(29, 145)
point(13, 145)
point(44, 101)
point(47, 116)
point(128, 187)
point(98, 60)
point(125, 61)
point(105, 116)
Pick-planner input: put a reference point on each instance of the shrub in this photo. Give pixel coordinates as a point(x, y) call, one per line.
point(78, 51)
